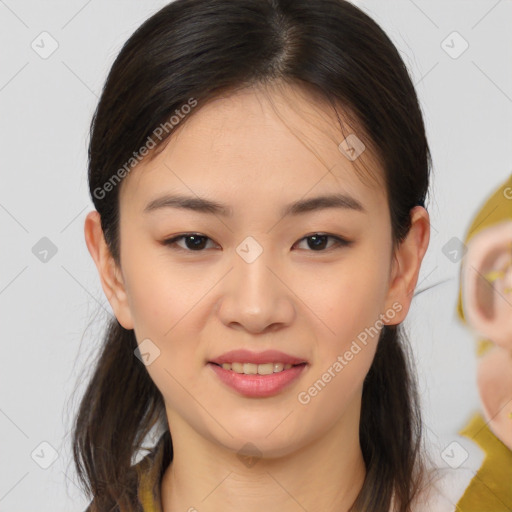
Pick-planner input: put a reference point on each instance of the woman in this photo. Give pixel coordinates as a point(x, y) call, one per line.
point(259, 170)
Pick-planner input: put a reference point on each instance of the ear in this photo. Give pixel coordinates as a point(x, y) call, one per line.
point(486, 282)
point(109, 273)
point(406, 264)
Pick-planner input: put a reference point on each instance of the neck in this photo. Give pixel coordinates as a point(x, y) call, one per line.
point(207, 476)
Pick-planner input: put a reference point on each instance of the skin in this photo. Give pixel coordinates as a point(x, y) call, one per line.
point(488, 306)
point(197, 305)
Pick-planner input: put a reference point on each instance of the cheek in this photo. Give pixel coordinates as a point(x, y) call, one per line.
point(347, 299)
point(164, 302)
point(349, 302)
point(171, 304)
point(159, 294)
point(350, 307)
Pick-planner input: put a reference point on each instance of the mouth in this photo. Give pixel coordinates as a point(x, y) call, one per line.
point(258, 380)
point(258, 374)
point(257, 369)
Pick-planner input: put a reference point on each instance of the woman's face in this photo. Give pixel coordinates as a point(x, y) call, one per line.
point(255, 278)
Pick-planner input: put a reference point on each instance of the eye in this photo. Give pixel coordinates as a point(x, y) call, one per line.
point(317, 241)
point(194, 242)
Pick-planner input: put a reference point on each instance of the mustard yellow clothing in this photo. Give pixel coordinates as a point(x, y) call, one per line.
point(150, 470)
point(491, 488)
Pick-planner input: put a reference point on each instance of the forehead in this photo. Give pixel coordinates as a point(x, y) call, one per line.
point(268, 145)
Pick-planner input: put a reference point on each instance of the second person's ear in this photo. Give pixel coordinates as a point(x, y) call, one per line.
point(487, 283)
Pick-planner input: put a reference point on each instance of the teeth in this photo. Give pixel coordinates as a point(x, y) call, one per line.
point(253, 369)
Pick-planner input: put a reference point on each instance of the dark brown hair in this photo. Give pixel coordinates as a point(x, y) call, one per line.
point(200, 49)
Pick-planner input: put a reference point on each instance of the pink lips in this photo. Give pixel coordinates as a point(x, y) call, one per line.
point(258, 386)
point(246, 356)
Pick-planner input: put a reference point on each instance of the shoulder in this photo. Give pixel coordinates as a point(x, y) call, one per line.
point(444, 489)
point(149, 471)
point(471, 472)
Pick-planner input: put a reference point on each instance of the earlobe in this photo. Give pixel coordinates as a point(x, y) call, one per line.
point(406, 263)
point(487, 283)
point(110, 275)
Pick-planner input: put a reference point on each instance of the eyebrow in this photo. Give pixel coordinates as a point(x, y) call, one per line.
point(302, 206)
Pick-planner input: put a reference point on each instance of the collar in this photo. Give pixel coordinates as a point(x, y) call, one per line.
point(150, 471)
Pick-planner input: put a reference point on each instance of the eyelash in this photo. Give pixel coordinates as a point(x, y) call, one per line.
point(339, 242)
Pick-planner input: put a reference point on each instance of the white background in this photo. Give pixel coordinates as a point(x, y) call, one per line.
point(52, 313)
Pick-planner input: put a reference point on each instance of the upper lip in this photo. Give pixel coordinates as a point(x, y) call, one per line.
point(246, 356)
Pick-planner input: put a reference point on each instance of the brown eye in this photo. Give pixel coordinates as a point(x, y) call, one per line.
point(318, 242)
point(194, 242)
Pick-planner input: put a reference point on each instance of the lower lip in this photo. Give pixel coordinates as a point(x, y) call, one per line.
point(258, 386)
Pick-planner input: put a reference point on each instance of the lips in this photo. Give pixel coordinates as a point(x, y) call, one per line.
point(258, 374)
point(259, 386)
point(268, 356)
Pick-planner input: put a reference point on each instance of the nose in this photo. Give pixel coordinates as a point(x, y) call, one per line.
point(256, 296)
